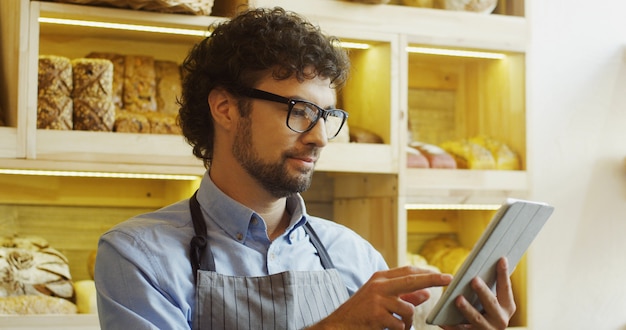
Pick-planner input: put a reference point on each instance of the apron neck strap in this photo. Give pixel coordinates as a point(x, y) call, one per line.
point(201, 255)
point(327, 263)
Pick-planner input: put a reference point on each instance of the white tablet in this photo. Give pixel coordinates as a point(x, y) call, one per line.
point(509, 234)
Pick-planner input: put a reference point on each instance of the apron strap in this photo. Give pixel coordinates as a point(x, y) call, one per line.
point(201, 254)
point(327, 263)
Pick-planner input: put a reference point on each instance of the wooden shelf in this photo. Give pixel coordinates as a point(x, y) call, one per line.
point(442, 186)
point(365, 186)
point(8, 142)
point(50, 322)
point(427, 26)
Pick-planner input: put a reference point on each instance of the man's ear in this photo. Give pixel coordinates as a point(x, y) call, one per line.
point(223, 107)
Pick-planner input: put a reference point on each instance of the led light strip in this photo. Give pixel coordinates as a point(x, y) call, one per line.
point(121, 26)
point(354, 45)
point(455, 52)
point(487, 207)
point(102, 174)
point(156, 29)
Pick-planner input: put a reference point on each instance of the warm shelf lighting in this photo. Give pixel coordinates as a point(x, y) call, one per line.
point(455, 52)
point(121, 26)
point(181, 177)
point(354, 45)
point(156, 29)
point(488, 207)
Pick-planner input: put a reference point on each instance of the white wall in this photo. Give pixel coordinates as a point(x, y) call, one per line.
point(577, 141)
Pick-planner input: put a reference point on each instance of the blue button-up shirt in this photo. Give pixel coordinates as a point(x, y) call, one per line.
point(143, 273)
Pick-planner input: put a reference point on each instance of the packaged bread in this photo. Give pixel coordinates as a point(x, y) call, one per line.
point(55, 111)
point(362, 135)
point(118, 75)
point(93, 78)
point(54, 90)
point(54, 75)
point(415, 159)
point(34, 305)
point(505, 158)
point(139, 84)
point(94, 114)
point(436, 244)
point(93, 94)
point(437, 157)
point(131, 122)
point(449, 260)
point(168, 86)
point(469, 155)
point(161, 123)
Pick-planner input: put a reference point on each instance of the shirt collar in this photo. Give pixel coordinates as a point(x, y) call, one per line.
point(234, 218)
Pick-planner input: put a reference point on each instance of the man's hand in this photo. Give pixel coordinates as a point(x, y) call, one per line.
point(498, 308)
point(386, 301)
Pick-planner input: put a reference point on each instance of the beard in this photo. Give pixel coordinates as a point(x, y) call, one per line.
point(273, 176)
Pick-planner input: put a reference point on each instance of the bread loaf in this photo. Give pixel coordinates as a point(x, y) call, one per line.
point(54, 75)
point(93, 94)
point(93, 114)
point(86, 296)
point(29, 266)
point(93, 78)
point(163, 124)
point(362, 135)
point(55, 111)
point(415, 159)
point(139, 84)
point(54, 90)
point(469, 155)
point(436, 156)
point(30, 305)
point(433, 245)
point(118, 75)
point(131, 122)
point(168, 86)
point(505, 158)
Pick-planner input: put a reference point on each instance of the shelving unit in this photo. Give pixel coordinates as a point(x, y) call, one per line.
point(365, 186)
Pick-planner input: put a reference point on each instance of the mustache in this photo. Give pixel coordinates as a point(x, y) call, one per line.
point(313, 153)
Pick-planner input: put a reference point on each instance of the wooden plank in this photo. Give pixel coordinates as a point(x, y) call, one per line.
point(50, 322)
point(8, 142)
point(423, 25)
point(47, 190)
point(358, 158)
point(375, 220)
point(365, 185)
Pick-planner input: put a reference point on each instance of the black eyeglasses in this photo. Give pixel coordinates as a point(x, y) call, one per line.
point(303, 115)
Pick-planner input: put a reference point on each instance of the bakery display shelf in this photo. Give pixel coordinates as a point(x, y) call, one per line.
point(110, 150)
point(123, 16)
point(109, 147)
point(464, 187)
point(49, 322)
point(428, 26)
point(169, 150)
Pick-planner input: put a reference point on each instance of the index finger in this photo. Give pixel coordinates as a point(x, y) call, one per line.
point(412, 282)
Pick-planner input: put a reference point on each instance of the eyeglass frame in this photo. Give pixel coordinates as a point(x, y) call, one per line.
point(322, 113)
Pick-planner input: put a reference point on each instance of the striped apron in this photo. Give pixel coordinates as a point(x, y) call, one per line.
point(287, 300)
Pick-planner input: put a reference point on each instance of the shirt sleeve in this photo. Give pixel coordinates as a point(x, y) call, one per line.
point(133, 297)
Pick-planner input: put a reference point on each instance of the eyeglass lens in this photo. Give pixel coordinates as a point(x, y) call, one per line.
point(303, 116)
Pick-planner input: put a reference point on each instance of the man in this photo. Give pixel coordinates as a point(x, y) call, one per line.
point(258, 106)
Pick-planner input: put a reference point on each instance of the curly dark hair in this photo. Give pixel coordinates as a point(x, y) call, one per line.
point(237, 54)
